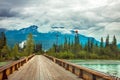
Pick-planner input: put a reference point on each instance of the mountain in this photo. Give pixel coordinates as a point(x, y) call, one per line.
point(47, 39)
point(119, 45)
point(2, 30)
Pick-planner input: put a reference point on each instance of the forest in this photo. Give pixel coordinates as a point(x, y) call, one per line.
point(16, 52)
point(74, 50)
point(68, 50)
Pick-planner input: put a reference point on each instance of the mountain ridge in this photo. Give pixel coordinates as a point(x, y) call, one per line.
point(46, 39)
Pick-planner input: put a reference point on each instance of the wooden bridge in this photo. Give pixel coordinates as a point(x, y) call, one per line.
point(46, 67)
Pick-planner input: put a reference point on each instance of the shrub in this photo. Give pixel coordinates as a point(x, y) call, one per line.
point(93, 56)
point(82, 55)
point(65, 55)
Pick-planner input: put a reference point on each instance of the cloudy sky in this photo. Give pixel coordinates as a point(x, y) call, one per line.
point(96, 18)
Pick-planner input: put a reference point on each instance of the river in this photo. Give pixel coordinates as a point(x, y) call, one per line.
point(111, 67)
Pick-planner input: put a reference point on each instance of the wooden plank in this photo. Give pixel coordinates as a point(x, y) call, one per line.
point(41, 68)
point(61, 74)
point(22, 71)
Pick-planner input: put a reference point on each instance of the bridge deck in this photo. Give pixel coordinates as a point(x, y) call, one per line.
point(41, 68)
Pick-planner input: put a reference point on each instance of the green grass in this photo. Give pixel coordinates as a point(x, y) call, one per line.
point(3, 63)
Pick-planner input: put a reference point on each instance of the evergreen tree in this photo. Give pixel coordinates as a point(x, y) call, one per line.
point(76, 45)
point(29, 45)
point(2, 43)
point(114, 47)
point(5, 52)
point(101, 43)
point(55, 48)
point(89, 45)
point(92, 44)
point(69, 44)
point(86, 47)
point(95, 48)
point(76, 39)
point(114, 42)
point(2, 40)
point(96, 45)
point(101, 51)
point(38, 48)
point(107, 41)
point(15, 51)
point(66, 44)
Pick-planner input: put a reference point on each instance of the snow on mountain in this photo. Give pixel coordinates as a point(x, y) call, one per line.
point(47, 39)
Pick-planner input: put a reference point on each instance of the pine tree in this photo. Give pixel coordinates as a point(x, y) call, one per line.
point(107, 41)
point(2, 40)
point(66, 44)
point(72, 45)
point(86, 47)
point(101, 43)
point(89, 45)
point(29, 45)
point(92, 44)
point(54, 48)
point(15, 51)
point(69, 43)
point(2, 43)
point(77, 39)
point(38, 48)
point(5, 52)
point(114, 47)
point(96, 45)
point(76, 45)
point(114, 42)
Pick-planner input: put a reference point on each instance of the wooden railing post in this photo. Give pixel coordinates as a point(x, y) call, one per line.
point(60, 63)
point(93, 77)
point(73, 69)
point(21, 63)
point(54, 60)
point(4, 75)
point(67, 67)
point(63, 64)
point(10, 68)
point(80, 73)
point(16, 67)
point(18, 64)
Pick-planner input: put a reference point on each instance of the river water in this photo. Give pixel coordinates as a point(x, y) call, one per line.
point(111, 67)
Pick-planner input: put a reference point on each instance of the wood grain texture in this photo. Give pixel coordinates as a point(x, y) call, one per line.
point(41, 68)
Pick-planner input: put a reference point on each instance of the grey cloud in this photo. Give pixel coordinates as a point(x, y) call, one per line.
point(8, 7)
point(70, 14)
point(7, 13)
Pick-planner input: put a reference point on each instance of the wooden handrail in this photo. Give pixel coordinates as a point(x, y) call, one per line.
point(82, 72)
point(11, 67)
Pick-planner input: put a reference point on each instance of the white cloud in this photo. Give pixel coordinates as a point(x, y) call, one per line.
point(22, 44)
point(95, 18)
point(14, 23)
point(114, 26)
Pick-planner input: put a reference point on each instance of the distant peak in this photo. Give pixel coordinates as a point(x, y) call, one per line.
point(33, 27)
point(2, 29)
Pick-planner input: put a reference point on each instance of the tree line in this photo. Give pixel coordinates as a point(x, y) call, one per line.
point(91, 50)
point(16, 52)
point(69, 50)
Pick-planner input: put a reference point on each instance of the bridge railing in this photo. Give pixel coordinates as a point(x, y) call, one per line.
point(8, 69)
point(82, 72)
